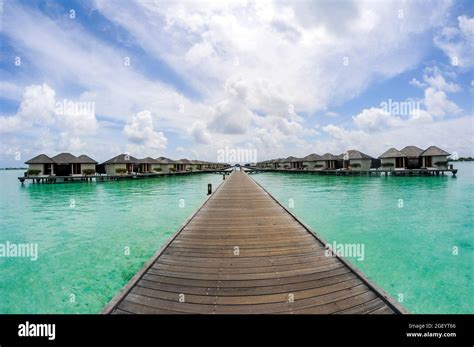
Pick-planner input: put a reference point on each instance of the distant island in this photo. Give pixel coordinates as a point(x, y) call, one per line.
point(13, 168)
point(462, 159)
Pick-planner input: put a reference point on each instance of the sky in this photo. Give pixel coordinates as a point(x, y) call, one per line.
point(188, 79)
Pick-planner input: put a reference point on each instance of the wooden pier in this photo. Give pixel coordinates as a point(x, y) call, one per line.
point(244, 253)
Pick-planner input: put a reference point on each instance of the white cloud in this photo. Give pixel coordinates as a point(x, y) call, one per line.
point(438, 82)
point(39, 108)
point(142, 136)
point(375, 119)
point(416, 83)
point(434, 133)
point(249, 61)
point(200, 133)
point(203, 43)
point(438, 104)
point(458, 42)
point(42, 124)
point(436, 101)
point(231, 117)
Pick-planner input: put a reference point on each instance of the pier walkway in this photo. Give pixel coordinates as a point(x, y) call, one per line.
point(242, 252)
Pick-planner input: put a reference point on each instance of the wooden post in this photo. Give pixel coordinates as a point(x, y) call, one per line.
point(209, 189)
point(223, 177)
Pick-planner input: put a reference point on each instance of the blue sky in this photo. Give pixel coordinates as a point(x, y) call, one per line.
point(183, 79)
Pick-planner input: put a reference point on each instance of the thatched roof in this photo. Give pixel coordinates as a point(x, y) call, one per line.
point(40, 159)
point(122, 159)
point(392, 153)
point(312, 157)
point(329, 156)
point(412, 151)
point(289, 159)
point(183, 161)
point(164, 160)
point(148, 160)
point(354, 154)
point(84, 159)
point(433, 150)
point(65, 158)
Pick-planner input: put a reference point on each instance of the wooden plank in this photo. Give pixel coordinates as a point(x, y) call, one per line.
point(281, 265)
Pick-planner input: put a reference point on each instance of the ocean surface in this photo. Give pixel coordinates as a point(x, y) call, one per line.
point(417, 232)
point(91, 237)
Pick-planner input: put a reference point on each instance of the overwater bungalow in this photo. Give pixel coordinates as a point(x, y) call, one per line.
point(329, 161)
point(310, 162)
point(392, 159)
point(434, 157)
point(267, 164)
point(145, 165)
point(206, 165)
point(291, 163)
point(285, 163)
point(357, 161)
point(63, 164)
point(432, 161)
point(182, 165)
point(412, 157)
point(41, 165)
point(196, 165)
point(297, 163)
point(164, 165)
point(275, 164)
point(88, 165)
point(66, 164)
point(122, 163)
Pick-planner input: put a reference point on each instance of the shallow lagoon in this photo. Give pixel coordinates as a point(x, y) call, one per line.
point(409, 243)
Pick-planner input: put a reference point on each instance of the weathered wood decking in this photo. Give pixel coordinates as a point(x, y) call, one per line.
point(242, 252)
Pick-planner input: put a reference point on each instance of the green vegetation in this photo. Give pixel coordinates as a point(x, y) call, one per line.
point(158, 169)
point(88, 172)
point(172, 169)
point(121, 171)
point(356, 165)
point(387, 165)
point(441, 163)
point(32, 172)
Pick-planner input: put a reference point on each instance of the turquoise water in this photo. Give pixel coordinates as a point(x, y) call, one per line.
point(92, 237)
point(408, 249)
point(83, 260)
